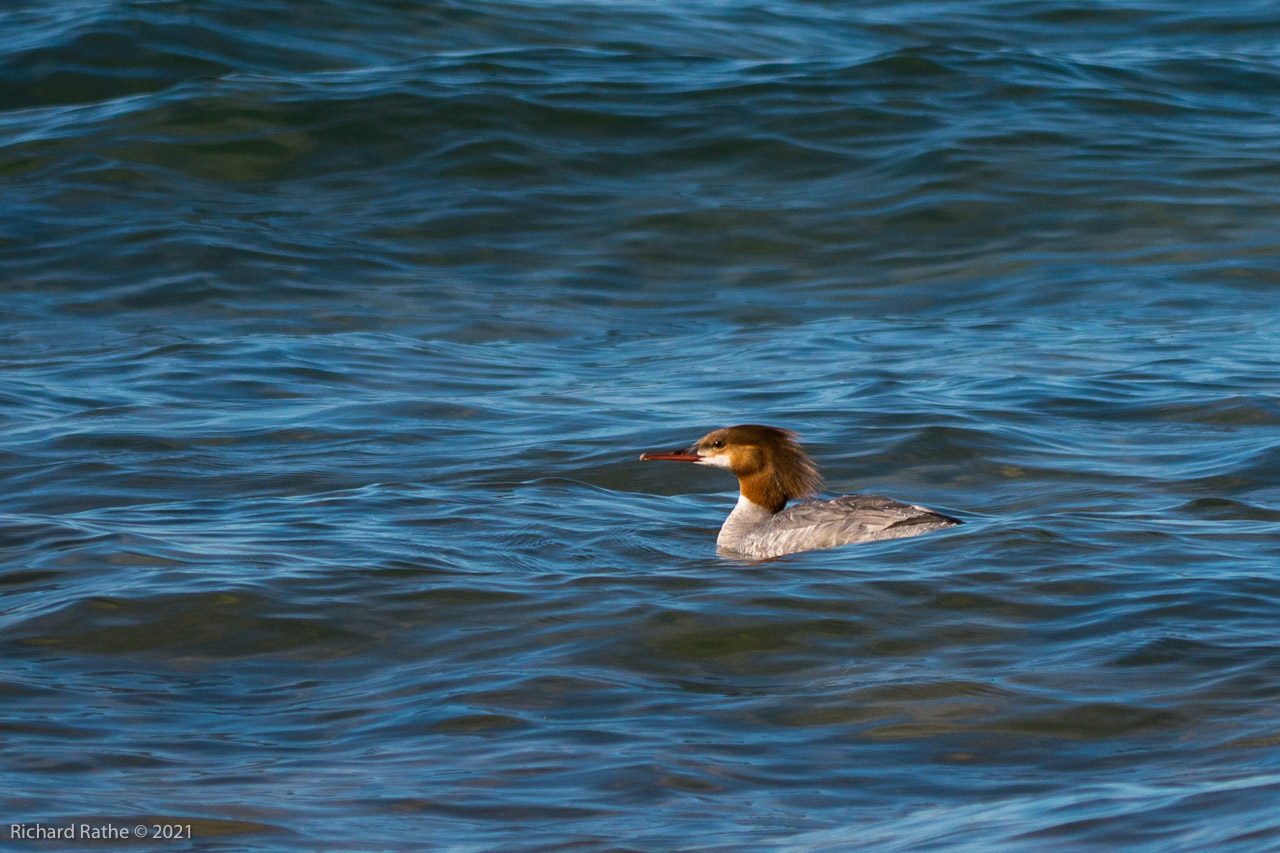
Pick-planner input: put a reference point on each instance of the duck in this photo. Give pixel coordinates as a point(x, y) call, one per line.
point(773, 470)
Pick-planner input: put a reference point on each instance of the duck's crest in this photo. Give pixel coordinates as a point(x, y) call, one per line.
point(789, 474)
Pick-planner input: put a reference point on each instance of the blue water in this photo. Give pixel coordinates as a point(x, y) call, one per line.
point(333, 332)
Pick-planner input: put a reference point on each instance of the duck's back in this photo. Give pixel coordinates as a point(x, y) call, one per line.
point(814, 525)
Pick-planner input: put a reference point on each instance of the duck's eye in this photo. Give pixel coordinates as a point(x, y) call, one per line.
point(717, 444)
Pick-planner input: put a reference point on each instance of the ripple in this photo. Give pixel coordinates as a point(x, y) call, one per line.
point(214, 626)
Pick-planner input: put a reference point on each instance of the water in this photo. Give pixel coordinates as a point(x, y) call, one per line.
point(333, 332)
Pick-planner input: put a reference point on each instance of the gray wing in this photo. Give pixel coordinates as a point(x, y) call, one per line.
point(852, 518)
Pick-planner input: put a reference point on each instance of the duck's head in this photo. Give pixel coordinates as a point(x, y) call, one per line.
point(770, 465)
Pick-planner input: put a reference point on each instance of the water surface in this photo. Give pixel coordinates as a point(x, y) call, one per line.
point(334, 333)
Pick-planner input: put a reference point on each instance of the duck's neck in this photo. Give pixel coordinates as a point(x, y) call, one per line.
point(764, 490)
point(746, 517)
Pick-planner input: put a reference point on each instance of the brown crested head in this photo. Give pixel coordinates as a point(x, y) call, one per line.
point(769, 463)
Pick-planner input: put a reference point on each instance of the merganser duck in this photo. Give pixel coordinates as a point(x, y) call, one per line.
point(772, 469)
